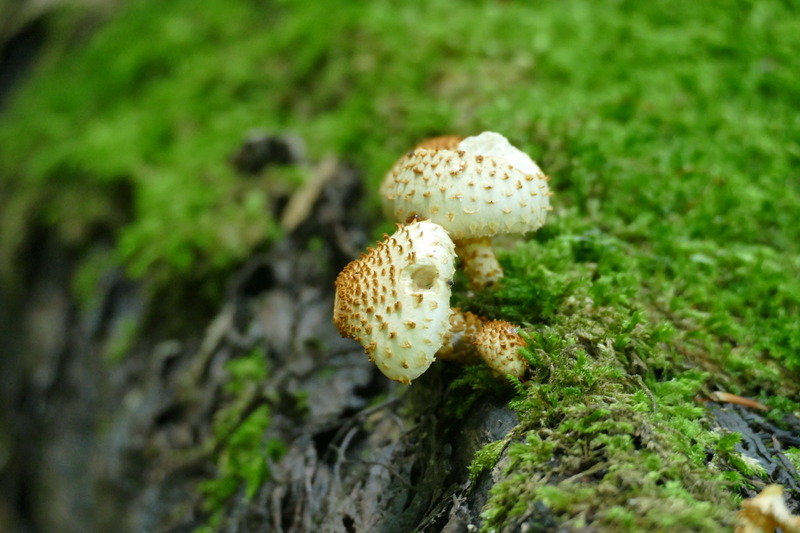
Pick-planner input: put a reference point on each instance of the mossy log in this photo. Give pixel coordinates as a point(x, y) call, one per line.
point(263, 418)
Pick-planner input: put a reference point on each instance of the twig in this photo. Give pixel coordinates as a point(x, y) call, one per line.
point(727, 397)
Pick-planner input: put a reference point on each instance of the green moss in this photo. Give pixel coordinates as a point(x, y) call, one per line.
point(242, 452)
point(243, 461)
point(609, 416)
point(245, 372)
point(87, 280)
point(666, 125)
point(793, 454)
point(650, 120)
point(486, 458)
point(122, 337)
point(474, 384)
point(596, 444)
point(154, 115)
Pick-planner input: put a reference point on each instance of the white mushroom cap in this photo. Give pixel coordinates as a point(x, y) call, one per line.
point(482, 187)
point(395, 299)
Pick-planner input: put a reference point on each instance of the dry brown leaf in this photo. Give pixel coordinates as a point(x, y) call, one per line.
point(766, 512)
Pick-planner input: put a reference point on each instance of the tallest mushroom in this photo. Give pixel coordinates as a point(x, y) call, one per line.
point(475, 188)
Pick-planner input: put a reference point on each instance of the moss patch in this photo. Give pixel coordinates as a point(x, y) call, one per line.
point(241, 452)
point(611, 433)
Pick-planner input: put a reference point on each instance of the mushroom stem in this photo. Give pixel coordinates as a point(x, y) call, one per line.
point(479, 262)
point(458, 344)
point(495, 342)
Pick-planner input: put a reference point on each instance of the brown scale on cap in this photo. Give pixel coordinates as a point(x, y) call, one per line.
point(494, 203)
point(443, 142)
point(395, 299)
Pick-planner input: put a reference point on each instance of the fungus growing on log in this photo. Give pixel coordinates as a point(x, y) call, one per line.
point(475, 188)
point(395, 299)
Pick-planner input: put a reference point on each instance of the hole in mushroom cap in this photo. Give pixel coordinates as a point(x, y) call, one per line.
point(424, 277)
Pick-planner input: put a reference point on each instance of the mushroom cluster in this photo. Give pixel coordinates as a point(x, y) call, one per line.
point(454, 195)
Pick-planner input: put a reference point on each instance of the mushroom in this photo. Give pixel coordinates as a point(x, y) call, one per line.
point(395, 299)
point(475, 188)
point(498, 343)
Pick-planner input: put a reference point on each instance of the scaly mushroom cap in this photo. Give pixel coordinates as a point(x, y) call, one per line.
point(444, 142)
point(482, 187)
point(395, 299)
point(498, 343)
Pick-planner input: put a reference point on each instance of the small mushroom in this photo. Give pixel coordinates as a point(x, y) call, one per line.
point(395, 299)
point(498, 343)
point(476, 189)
